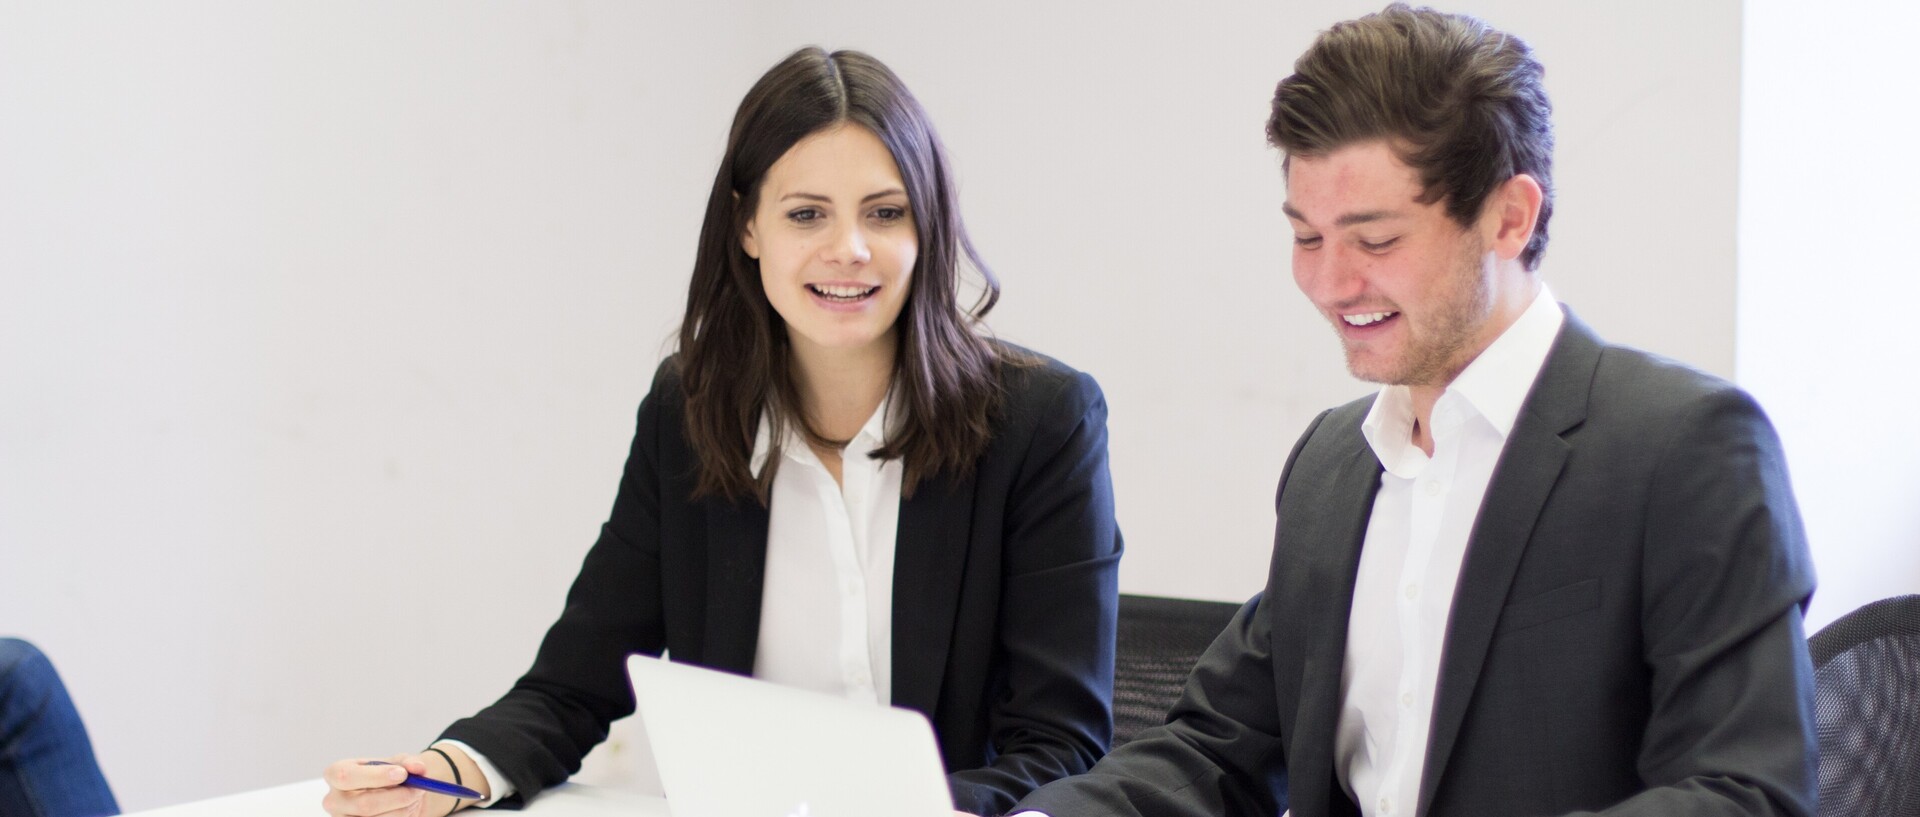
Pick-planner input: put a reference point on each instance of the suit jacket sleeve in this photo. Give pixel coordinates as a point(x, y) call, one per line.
point(1222, 750)
point(1059, 599)
point(1727, 574)
point(1219, 753)
point(538, 733)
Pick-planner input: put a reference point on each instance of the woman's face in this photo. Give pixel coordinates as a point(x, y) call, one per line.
point(835, 239)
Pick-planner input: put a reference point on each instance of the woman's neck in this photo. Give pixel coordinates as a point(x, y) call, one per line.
point(841, 388)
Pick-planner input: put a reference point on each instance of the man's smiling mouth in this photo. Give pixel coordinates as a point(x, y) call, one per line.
point(1367, 318)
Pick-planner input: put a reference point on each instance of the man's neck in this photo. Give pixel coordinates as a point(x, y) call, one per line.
point(1504, 314)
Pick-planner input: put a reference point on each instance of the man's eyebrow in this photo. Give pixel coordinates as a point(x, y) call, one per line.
point(1347, 220)
point(1365, 217)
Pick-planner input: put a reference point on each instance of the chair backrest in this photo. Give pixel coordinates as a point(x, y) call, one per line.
point(1866, 669)
point(1159, 641)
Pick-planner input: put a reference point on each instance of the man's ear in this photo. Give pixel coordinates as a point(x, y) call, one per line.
point(1515, 208)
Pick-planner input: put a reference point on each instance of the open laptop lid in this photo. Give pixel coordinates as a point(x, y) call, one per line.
point(728, 746)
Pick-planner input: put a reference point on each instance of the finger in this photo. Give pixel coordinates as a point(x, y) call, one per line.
point(371, 802)
point(414, 764)
point(415, 810)
point(354, 775)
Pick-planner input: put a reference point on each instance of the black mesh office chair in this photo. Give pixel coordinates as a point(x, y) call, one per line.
point(1866, 669)
point(1159, 640)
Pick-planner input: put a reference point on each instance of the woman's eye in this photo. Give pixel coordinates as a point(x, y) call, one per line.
point(804, 215)
point(890, 214)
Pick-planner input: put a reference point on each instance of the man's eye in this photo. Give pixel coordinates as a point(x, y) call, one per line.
point(1378, 246)
point(1306, 241)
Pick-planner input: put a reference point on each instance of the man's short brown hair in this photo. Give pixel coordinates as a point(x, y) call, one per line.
point(1461, 103)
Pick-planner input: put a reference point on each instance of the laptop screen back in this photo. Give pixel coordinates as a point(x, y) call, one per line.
point(728, 746)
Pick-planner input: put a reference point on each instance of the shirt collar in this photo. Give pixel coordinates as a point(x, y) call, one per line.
point(872, 435)
point(1493, 386)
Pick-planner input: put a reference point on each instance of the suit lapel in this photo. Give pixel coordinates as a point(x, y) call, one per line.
point(1326, 523)
point(930, 557)
point(736, 573)
point(1523, 479)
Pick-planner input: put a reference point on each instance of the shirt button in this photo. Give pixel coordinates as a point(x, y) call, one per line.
point(1406, 699)
point(1433, 488)
point(1413, 591)
point(1386, 806)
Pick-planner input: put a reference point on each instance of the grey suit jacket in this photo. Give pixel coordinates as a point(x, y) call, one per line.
point(1625, 634)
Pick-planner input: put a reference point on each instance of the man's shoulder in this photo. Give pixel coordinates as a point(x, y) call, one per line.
point(1343, 421)
point(1637, 385)
point(1333, 435)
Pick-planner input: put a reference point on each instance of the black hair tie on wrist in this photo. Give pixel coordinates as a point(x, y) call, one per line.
point(456, 774)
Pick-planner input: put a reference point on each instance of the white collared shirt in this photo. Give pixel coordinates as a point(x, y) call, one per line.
point(826, 604)
point(826, 608)
point(1415, 542)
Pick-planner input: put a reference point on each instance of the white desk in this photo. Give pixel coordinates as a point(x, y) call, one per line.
point(303, 800)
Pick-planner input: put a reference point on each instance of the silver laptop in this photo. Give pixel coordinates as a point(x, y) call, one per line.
point(727, 746)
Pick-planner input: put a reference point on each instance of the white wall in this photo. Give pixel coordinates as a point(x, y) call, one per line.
point(322, 326)
point(1115, 172)
point(1827, 215)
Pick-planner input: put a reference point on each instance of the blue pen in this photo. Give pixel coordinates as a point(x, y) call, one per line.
point(414, 781)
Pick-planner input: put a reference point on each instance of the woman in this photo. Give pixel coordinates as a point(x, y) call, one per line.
point(833, 435)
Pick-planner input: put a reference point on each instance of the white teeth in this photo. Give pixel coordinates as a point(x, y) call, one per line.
point(842, 291)
point(1367, 318)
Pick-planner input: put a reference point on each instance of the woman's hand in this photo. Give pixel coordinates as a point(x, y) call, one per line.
point(359, 790)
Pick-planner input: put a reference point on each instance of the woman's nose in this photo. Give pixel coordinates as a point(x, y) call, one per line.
point(848, 246)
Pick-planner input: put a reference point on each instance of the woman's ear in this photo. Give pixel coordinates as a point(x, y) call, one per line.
point(748, 242)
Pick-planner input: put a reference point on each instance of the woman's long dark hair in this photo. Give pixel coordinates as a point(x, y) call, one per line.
point(734, 356)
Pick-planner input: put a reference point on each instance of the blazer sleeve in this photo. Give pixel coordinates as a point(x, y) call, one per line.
point(1220, 751)
point(1727, 576)
point(1059, 600)
point(537, 734)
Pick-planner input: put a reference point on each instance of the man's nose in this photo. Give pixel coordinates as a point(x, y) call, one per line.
point(1331, 276)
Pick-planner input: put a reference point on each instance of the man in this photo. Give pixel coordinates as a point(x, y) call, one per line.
point(1535, 574)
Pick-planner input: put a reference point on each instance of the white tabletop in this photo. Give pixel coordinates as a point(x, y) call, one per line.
point(303, 799)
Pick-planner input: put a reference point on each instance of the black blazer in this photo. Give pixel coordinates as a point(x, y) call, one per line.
point(1625, 634)
point(1004, 599)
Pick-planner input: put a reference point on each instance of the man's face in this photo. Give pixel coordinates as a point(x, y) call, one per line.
point(1410, 292)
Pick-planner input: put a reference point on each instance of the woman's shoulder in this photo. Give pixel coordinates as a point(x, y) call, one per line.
point(666, 397)
point(666, 379)
point(1037, 385)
